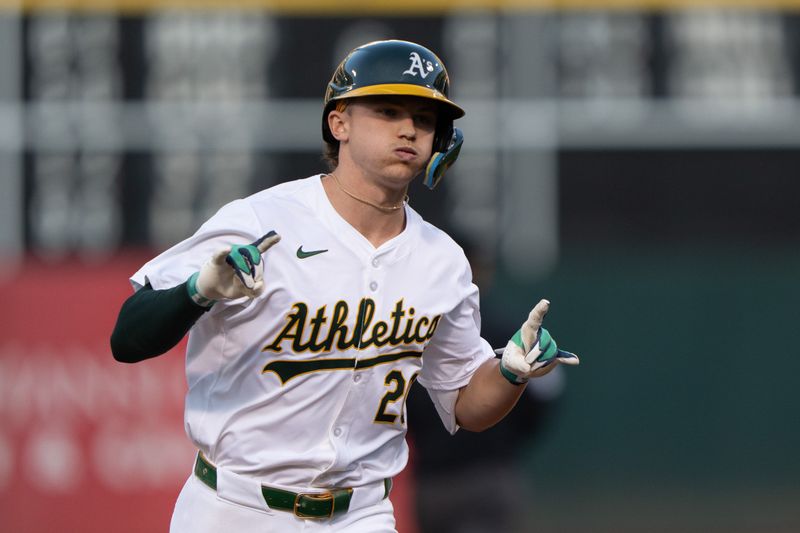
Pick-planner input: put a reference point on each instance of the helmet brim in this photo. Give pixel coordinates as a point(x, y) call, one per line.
point(405, 89)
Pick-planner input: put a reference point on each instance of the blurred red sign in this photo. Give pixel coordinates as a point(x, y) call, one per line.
point(88, 444)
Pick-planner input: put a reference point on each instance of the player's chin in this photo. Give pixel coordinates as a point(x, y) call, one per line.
point(407, 170)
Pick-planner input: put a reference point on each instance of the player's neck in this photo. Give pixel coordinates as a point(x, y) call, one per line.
point(379, 217)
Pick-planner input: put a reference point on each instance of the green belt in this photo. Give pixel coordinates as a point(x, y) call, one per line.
point(304, 505)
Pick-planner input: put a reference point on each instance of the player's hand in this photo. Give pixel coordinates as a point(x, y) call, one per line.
point(532, 352)
point(234, 273)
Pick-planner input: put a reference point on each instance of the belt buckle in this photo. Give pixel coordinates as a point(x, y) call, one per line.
point(322, 496)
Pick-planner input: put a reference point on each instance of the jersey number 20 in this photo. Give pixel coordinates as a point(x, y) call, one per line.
point(397, 390)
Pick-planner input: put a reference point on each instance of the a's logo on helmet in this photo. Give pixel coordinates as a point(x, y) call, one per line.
point(418, 67)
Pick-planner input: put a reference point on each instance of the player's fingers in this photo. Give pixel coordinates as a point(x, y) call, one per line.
point(243, 285)
point(242, 266)
point(530, 328)
point(536, 316)
point(220, 257)
point(568, 358)
point(258, 273)
point(251, 256)
point(548, 349)
point(259, 270)
point(267, 241)
point(542, 369)
point(255, 289)
point(245, 279)
point(258, 288)
point(237, 261)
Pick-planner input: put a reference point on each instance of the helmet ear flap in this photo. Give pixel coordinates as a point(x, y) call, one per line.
point(444, 133)
point(444, 158)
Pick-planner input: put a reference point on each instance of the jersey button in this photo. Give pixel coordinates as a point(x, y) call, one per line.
point(375, 262)
point(337, 432)
point(357, 378)
point(373, 286)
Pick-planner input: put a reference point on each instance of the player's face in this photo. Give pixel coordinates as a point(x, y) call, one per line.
point(391, 137)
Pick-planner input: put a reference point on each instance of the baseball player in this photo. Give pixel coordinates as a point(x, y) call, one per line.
point(314, 305)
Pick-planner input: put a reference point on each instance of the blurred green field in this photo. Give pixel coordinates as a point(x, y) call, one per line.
point(683, 415)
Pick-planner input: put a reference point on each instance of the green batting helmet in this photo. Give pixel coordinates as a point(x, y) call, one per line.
point(399, 68)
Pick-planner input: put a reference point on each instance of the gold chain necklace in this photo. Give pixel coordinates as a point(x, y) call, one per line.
point(384, 208)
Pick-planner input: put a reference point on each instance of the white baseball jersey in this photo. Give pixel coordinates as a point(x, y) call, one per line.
point(305, 385)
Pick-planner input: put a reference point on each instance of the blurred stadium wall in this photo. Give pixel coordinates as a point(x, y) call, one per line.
point(633, 161)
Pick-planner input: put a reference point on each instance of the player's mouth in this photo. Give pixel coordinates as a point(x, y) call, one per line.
point(406, 153)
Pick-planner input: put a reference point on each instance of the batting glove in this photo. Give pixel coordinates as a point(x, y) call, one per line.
point(532, 352)
point(233, 273)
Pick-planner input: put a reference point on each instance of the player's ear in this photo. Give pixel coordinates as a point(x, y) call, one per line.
point(339, 124)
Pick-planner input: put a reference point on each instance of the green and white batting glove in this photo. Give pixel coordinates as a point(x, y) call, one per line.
point(232, 273)
point(532, 352)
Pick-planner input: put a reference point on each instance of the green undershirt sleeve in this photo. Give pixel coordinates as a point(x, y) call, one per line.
point(153, 321)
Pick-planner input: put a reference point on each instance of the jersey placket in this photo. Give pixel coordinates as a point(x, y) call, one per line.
point(359, 406)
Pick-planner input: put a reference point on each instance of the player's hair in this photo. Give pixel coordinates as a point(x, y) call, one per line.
point(330, 150)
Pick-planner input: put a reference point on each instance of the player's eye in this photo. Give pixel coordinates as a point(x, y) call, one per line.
point(387, 111)
point(426, 120)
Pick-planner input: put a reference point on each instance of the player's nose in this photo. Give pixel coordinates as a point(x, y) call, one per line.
point(406, 127)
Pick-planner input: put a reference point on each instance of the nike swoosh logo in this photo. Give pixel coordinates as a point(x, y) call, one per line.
point(302, 255)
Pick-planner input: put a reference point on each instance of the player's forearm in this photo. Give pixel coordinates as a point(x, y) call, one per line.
point(153, 321)
point(486, 399)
